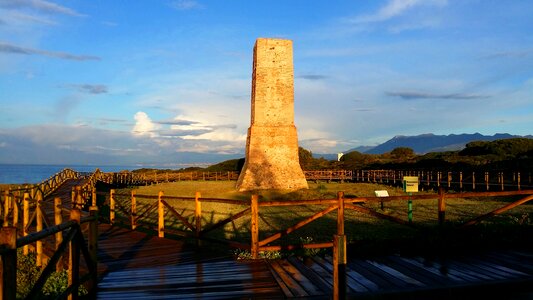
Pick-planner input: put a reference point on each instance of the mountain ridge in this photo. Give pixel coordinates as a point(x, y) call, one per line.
point(429, 142)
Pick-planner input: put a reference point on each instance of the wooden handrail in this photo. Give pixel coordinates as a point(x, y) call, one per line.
point(9, 243)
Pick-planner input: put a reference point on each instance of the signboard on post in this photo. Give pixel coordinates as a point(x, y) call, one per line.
point(410, 184)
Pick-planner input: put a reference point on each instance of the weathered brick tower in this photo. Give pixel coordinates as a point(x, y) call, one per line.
point(272, 143)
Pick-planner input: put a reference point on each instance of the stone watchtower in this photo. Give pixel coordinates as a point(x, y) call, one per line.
point(272, 143)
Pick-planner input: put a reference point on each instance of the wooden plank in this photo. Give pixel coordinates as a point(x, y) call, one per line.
point(281, 283)
point(322, 280)
point(472, 270)
point(511, 262)
point(303, 281)
point(382, 279)
point(493, 268)
point(325, 269)
point(354, 278)
point(443, 268)
point(395, 273)
point(292, 284)
point(420, 274)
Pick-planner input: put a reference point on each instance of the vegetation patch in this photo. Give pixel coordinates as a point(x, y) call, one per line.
point(28, 273)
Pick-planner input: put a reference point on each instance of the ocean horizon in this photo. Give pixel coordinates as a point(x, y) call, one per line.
point(36, 173)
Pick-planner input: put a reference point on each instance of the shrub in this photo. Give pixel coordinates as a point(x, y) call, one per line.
point(28, 273)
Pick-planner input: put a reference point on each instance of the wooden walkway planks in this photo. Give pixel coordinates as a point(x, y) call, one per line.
point(134, 265)
point(395, 275)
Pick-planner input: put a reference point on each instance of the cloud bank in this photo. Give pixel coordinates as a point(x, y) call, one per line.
point(14, 49)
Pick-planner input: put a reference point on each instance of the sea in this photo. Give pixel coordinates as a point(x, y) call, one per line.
point(31, 174)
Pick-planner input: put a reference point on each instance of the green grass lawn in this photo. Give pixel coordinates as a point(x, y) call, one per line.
point(358, 226)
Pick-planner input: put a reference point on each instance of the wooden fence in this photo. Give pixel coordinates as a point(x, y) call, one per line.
point(127, 206)
point(498, 180)
point(456, 180)
point(158, 207)
point(139, 210)
point(68, 236)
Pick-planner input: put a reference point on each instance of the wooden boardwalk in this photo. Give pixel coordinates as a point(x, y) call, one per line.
point(134, 265)
point(509, 273)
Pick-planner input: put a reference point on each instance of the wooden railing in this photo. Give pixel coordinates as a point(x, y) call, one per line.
point(33, 223)
point(68, 235)
point(498, 180)
point(127, 206)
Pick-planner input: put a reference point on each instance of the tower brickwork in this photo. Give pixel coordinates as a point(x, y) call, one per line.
point(272, 145)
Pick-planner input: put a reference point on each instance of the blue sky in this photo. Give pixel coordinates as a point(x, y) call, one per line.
point(115, 82)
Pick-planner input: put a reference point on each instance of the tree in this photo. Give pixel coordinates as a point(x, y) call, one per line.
point(402, 153)
point(306, 158)
point(357, 160)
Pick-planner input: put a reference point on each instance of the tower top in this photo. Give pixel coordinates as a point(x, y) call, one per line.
point(273, 83)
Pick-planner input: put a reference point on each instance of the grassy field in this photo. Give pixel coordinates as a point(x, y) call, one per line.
point(358, 226)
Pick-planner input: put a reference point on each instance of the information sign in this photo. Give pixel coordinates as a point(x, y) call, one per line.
point(410, 184)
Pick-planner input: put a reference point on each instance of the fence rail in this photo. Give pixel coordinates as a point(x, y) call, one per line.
point(158, 211)
point(498, 180)
point(128, 207)
point(255, 209)
point(71, 239)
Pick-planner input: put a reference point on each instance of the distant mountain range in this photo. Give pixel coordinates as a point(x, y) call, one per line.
point(429, 142)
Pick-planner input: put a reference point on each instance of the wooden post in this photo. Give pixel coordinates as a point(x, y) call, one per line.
point(58, 218)
point(501, 180)
point(339, 253)
point(6, 208)
point(340, 213)
point(79, 200)
point(39, 217)
point(94, 198)
point(112, 207)
point(73, 198)
point(473, 181)
point(255, 226)
point(26, 220)
point(16, 210)
point(133, 214)
point(198, 216)
point(93, 248)
point(442, 206)
point(517, 180)
point(449, 179)
point(486, 181)
point(74, 257)
point(161, 215)
point(339, 267)
point(461, 181)
point(8, 273)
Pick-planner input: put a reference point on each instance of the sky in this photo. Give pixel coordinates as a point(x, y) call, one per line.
point(169, 82)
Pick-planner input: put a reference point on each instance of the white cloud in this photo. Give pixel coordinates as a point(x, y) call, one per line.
point(186, 5)
point(15, 49)
point(395, 8)
point(40, 6)
point(144, 125)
